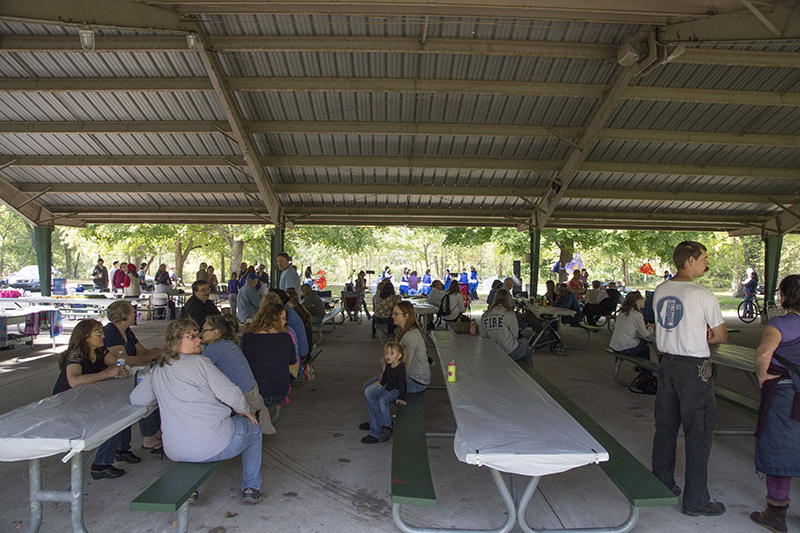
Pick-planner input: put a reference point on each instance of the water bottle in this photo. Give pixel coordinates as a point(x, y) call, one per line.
point(451, 372)
point(473, 327)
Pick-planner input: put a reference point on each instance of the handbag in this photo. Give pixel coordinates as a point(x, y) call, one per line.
point(461, 325)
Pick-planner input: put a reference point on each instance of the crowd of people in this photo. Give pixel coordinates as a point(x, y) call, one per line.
point(218, 406)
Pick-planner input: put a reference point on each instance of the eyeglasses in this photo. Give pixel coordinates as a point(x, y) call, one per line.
point(284, 319)
point(398, 314)
point(193, 336)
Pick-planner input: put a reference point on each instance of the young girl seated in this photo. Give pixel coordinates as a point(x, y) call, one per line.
point(392, 389)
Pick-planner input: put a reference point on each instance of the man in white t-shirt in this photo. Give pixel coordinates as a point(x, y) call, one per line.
point(688, 319)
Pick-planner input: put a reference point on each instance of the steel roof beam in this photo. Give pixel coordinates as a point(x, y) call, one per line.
point(26, 207)
point(456, 164)
point(546, 205)
point(401, 85)
point(103, 14)
point(405, 190)
point(400, 128)
point(250, 154)
point(737, 27)
point(393, 45)
point(643, 12)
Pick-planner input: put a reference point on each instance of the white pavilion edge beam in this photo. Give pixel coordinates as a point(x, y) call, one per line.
point(106, 13)
point(391, 45)
point(257, 172)
point(401, 85)
point(397, 128)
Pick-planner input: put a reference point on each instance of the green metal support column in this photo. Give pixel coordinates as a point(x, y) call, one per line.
point(772, 259)
point(277, 247)
point(536, 238)
point(42, 241)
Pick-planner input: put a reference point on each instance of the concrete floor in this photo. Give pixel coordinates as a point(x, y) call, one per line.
point(319, 477)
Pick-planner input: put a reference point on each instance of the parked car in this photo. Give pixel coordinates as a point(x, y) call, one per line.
point(28, 278)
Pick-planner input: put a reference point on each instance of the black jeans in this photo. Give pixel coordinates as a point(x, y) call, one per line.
point(388, 321)
point(684, 398)
point(642, 351)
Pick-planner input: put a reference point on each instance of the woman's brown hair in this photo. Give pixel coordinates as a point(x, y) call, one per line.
point(407, 308)
point(173, 336)
point(268, 317)
point(78, 339)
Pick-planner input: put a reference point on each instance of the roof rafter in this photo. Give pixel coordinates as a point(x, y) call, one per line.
point(401, 85)
point(399, 128)
point(457, 164)
point(245, 141)
point(412, 190)
point(323, 44)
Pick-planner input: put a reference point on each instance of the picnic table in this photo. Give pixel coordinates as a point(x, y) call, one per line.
point(81, 307)
point(66, 422)
point(539, 440)
point(28, 321)
point(423, 310)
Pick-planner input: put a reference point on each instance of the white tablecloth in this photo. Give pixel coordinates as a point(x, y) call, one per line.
point(504, 419)
point(81, 418)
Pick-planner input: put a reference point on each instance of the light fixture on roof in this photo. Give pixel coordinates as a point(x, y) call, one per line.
point(628, 54)
point(191, 41)
point(87, 38)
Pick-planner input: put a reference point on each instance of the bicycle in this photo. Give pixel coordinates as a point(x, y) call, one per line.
point(748, 311)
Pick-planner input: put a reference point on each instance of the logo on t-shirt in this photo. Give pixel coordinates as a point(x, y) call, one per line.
point(669, 312)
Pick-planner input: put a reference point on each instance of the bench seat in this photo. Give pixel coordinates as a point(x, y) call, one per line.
point(411, 472)
point(170, 492)
point(733, 398)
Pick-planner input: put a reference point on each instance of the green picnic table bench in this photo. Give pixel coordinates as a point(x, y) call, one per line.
point(411, 471)
point(170, 492)
point(636, 482)
point(733, 398)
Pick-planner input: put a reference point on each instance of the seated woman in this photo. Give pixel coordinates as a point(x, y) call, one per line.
point(496, 286)
point(500, 324)
point(436, 293)
point(567, 300)
point(576, 285)
point(550, 292)
point(220, 340)
point(630, 335)
point(88, 361)
point(313, 304)
point(196, 401)
point(269, 351)
point(302, 312)
point(387, 299)
point(213, 280)
point(452, 304)
point(122, 343)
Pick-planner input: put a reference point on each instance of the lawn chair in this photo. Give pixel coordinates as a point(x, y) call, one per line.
point(351, 302)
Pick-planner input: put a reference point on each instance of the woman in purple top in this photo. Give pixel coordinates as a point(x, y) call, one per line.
point(777, 451)
point(413, 283)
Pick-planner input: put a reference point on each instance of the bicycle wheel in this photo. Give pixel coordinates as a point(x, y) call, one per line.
point(742, 311)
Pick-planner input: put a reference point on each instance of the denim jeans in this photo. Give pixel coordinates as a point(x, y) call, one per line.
point(246, 440)
point(522, 353)
point(378, 400)
point(105, 452)
point(149, 425)
point(684, 398)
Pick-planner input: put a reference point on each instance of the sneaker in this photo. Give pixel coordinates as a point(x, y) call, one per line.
point(676, 490)
point(106, 472)
point(369, 439)
point(193, 498)
point(364, 426)
point(251, 496)
point(126, 457)
point(711, 509)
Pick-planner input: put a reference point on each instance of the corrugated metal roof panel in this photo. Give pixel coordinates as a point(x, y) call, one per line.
point(406, 176)
point(678, 183)
point(168, 144)
point(727, 77)
point(155, 106)
point(48, 145)
point(104, 64)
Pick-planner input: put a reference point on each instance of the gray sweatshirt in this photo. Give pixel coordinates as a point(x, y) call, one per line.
point(417, 367)
point(502, 327)
point(195, 399)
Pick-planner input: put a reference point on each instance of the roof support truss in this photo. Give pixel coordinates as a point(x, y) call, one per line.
point(250, 153)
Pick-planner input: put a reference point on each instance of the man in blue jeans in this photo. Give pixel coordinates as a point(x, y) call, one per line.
point(688, 319)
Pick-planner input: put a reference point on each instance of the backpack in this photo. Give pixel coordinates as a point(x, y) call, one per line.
point(444, 306)
point(645, 383)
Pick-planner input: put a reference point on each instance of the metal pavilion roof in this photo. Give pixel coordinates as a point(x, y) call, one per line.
point(416, 112)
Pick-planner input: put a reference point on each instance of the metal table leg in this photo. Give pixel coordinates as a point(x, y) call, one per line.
point(73, 496)
point(528, 495)
point(511, 517)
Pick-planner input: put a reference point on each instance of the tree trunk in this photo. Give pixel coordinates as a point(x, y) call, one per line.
point(182, 254)
point(76, 264)
point(625, 280)
point(237, 252)
point(735, 280)
point(567, 249)
point(67, 260)
point(222, 271)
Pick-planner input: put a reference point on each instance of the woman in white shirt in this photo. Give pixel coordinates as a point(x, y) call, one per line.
point(455, 303)
point(630, 333)
point(500, 324)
